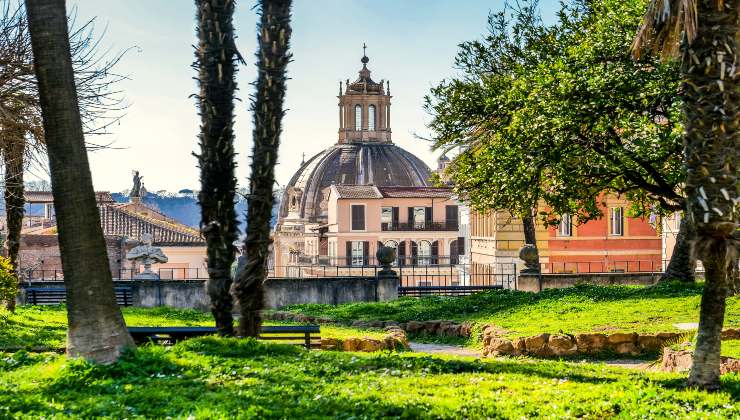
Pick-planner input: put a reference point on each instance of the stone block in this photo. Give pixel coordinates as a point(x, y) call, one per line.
point(500, 346)
point(621, 338)
point(626, 348)
point(466, 329)
point(351, 344)
point(590, 343)
point(731, 334)
point(370, 345)
point(413, 327)
point(331, 344)
point(649, 342)
point(520, 345)
point(537, 344)
point(430, 327)
point(562, 345)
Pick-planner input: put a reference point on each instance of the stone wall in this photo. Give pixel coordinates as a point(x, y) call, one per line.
point(530, 282)
point(41, 252)
point(191, 294)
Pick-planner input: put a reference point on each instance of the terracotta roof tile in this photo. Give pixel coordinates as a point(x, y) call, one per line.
point(415, 192)
point(358, 191)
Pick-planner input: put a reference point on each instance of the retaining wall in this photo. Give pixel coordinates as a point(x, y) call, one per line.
point(531, 282)
point(191, 294)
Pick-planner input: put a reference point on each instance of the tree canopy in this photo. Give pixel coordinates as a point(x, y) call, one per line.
point(561, 114)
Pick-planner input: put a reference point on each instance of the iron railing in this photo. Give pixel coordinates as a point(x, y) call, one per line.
point(448, 226)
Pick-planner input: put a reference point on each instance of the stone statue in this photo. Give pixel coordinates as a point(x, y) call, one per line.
point(147, 255)
point(528, 253)
point(136, 190)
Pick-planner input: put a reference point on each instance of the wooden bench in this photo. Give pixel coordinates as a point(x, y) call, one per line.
point(305, 335)
point(57, 295)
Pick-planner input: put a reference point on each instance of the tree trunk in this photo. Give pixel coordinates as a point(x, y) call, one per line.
point(710, 97)
point(96, 329)
point(272, 60)
point(215, 60)
point(13, 157)
point(682, 264)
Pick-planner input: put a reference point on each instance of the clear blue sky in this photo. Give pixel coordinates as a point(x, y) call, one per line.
point(410, 42)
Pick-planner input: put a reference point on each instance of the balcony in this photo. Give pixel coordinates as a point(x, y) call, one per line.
point(448, 226)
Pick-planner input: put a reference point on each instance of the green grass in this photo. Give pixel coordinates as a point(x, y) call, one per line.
point(573, 310)
point(731, 348)
point(229, 378)
point(45, 327)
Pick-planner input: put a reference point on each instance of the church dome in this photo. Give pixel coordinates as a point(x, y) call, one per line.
point(381, 164)
point(364, 153)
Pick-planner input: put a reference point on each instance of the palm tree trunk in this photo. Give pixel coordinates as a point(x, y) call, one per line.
point(712, 152)
point(215, 60)
point(96, 329)
point(13, 157)
point(272, 60)
point(682, 263)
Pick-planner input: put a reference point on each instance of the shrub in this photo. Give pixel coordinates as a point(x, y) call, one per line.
point(8, 281)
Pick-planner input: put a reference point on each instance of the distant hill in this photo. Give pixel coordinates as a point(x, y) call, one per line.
point(183, 206)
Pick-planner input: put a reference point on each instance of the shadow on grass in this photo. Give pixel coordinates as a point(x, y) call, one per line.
point(248, 378)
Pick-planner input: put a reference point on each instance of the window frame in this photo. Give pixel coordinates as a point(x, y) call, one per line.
point(569, 225)
point(614, 222)
point(358, 117)
point(422, 259)
point(371, 117)
point(352, 218)
point(355, 260)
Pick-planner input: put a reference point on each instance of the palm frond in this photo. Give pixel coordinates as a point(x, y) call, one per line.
point(664, 23)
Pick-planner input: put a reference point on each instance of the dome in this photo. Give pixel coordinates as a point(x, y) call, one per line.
point(381, 164)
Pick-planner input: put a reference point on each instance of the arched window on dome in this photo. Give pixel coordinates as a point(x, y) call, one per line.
point(358, 117)
point(371, 118)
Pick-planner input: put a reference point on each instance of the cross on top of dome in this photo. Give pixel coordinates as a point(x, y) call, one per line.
point(364, 83)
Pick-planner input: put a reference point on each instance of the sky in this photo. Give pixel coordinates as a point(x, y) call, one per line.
point(412, 43)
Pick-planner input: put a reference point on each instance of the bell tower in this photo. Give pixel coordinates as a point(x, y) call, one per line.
point(364, 108)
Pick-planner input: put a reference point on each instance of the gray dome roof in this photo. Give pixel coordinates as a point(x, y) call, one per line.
point(381, 164)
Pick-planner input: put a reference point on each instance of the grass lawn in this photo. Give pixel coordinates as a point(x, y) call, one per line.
point(572, 310)
point(229, 378)
point(36, 327)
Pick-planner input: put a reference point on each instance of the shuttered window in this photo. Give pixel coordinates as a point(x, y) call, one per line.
point(358, 217)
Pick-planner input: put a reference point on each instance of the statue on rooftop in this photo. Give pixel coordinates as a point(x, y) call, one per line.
point(136, 190)
point(147, 255)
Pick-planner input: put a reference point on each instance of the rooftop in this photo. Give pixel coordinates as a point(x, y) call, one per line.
point(375, 192)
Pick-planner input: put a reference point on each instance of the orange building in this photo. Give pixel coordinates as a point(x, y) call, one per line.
point(614, 242)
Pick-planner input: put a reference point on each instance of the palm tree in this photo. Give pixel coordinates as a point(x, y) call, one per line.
point(96, 329)
point(273, 37)
point(216, 57)
point(708, 31)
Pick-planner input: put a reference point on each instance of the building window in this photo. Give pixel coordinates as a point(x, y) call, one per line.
point(419, 217)
point(358, 253)
point(425, 253)
point(371, 118)
point(358, 217)
point(616, 227)
point(358, 117)
point(566, 225)
point(386, 218)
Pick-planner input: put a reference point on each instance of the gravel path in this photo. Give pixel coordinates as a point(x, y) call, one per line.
point(432, 348)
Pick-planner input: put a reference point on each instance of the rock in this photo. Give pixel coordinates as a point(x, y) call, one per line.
point(620, 338)
point(454, 330)
point(387, 324)
point(562, 345)
point(402, 326)
point(731, 334)
point(536, 343)
point(590, 343)
point(728, 364)
point(649, 342)
point(360, 324)
point(500, 346)
point(519, 345)
point(443, 328)
point(491, 329)
point(324, 320)
point(370, 345)
point(376, 324)
point(351, 344)
point(626, 348)
point(466, 329)
point(414, 327)
point(430, 327)
point(676, 361)
point(331, 344)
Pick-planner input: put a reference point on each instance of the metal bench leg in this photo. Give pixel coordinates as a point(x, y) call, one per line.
point(308, 341)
